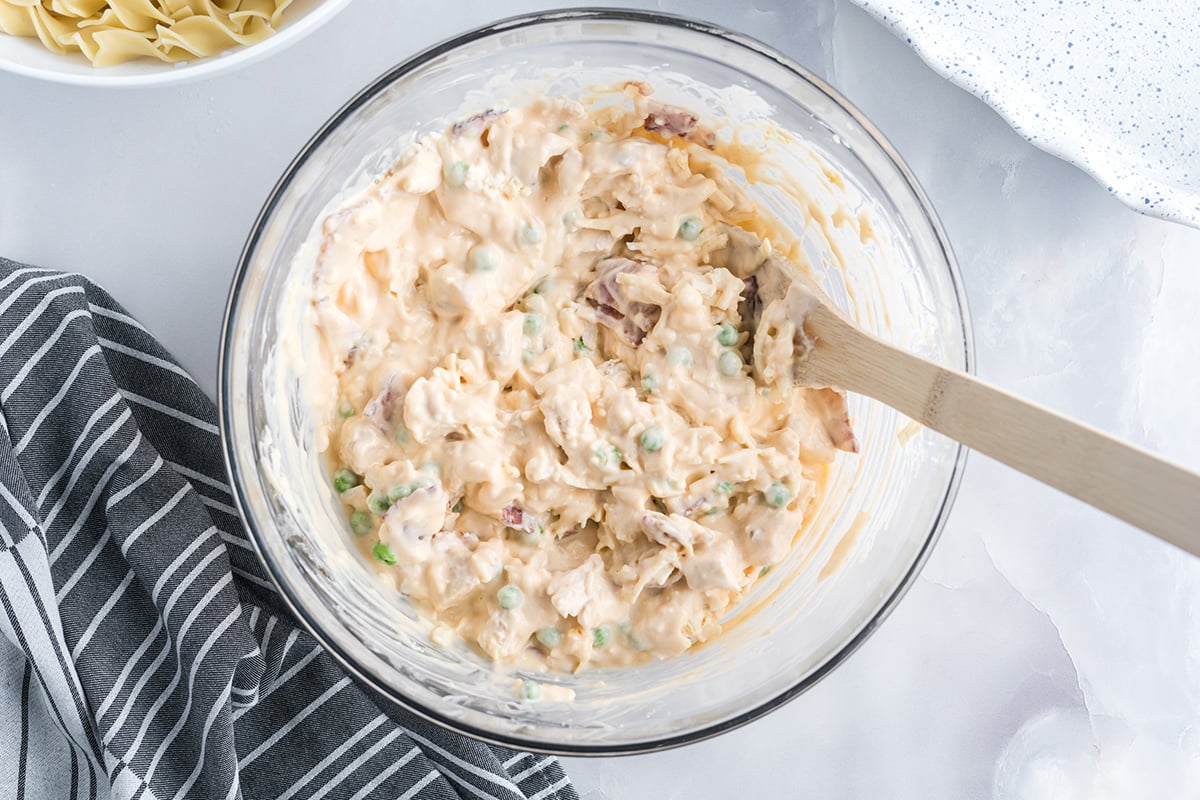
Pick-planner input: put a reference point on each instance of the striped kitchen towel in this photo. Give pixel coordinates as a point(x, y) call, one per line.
point(143, 653)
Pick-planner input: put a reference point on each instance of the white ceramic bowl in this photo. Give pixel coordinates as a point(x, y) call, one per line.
point(29, 57)
point(1111, 87)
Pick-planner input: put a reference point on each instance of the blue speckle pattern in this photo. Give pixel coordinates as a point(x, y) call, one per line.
point(1112, 86)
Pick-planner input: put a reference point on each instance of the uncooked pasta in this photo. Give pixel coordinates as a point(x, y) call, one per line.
point(109, 32)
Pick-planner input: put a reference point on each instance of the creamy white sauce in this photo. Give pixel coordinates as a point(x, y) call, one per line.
point(539, 390)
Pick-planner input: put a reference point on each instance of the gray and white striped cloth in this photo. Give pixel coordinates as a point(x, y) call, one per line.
point(143, 653)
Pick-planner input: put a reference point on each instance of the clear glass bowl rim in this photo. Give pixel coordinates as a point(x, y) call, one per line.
point(382, 83)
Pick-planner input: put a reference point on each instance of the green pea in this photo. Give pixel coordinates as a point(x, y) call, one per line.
point(549, 636)
point(398, 493)
point(649, 384)
point(727, 336)
point(725, 488)
point(483, 258)
point(764, 570)
point(651, 439)
point(378, 503)
point(360, 522)
point(509, 597)
point(532, 233)
point(383, 554)
point(609, 457)
point(457, 507)
point(680, 355)
point(346, 410)
point(729, 364)
point(580, 346)
point(690, 228)
point(531, 690)
point(534, 323)
point(344, 480)
point(777, 495)
point(455, 174)
point(601, 635)
point(634, 638)
point(530, 538)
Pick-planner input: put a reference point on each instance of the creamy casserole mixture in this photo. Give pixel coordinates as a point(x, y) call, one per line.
point(559, 408)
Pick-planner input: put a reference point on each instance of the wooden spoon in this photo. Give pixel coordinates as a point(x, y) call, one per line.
point(1126, 481)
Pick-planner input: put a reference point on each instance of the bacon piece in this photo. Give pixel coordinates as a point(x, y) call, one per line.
point(630, 319)
point(671, 120)
point(676, 121)
point(512, 516)
point(515, 517)
point(380, 408)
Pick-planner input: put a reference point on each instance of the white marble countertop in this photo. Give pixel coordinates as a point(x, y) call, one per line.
point(1046, 651)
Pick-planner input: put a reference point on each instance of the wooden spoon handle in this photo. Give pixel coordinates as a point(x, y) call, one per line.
point(1126, 481)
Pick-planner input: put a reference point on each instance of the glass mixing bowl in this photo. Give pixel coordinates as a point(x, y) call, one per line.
point(883, 509)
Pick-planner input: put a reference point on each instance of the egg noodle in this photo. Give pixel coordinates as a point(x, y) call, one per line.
point(109, 32)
